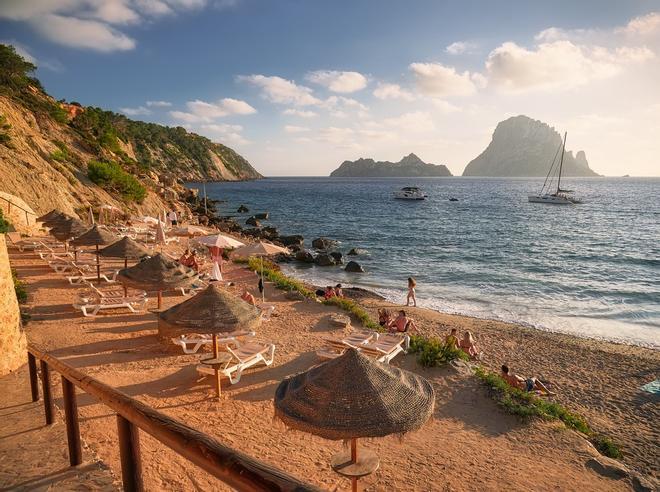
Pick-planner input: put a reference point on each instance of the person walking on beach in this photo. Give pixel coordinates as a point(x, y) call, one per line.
point(411, 292)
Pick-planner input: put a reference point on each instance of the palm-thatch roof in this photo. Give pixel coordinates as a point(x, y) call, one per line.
point(69, 228)
point(95, 236)
point(124, 248)
point(158, 273)
point(56, 219)
point(214, 310)
point(354, 396)
point(49, 216)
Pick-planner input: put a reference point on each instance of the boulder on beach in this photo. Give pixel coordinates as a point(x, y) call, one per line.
point(323, 243)
point(269, 233)
point(243, 209)
point(252, 221)
point(356, 252)
point(294, 240)
point(338, 257)
point(305, 256)
point(324, 260)
point(262, 216)
point(354, 266)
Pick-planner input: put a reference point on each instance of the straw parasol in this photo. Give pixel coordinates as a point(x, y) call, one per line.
point(48, 216)
point(354, 396)
point(67, 229)
point(214, 310)
point(95, 237)
point(56, 219)
point(125, 248)
point(260, 249)
point(158, 273)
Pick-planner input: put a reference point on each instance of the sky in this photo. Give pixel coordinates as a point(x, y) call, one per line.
point(299, 86)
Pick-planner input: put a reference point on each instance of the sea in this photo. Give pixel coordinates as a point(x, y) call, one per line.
point(591, 269)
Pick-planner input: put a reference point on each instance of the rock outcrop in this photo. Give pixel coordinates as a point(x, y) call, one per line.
point(409, 166)
point(13, 343)
point(522, 146)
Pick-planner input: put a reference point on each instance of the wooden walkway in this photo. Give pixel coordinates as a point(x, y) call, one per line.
point(34, 456)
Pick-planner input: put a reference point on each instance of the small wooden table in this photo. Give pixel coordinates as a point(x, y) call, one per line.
point(352, 465)
point(219, 362)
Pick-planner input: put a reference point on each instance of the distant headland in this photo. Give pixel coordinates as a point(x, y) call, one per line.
point(409, 166)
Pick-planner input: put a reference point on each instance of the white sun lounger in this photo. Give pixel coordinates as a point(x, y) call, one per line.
point(243, 357)
point(385, 348)
point(90, 306)
point(89, 275)
point(334, 347)
point(192, 343)
point(115, 292)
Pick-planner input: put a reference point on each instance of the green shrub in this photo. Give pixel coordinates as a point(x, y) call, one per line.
point(4, 223)
point(527, 405)
point(111, 177)
point(273, 273)
point(58, 114)
point(5, 138)
point(58, 155)
point(19, 288)
point(432, 352)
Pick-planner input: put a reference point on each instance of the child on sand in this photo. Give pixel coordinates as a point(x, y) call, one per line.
point(523, 383)
point(411, 292)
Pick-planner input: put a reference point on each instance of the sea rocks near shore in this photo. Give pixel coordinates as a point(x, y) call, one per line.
point(354, 266)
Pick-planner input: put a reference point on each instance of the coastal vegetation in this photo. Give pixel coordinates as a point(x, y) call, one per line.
point(111, 177)
point(19, 288)
point(272, 272)
point(433, 352)
point(5, 138)
point(408, 166)
point(4, 224)
point(528, 405)
point(355, 309)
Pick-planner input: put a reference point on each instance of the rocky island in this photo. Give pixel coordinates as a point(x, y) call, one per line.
point(522, 146)
point(409, 166)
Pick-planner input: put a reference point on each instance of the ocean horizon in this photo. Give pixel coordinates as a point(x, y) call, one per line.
point(590, 270)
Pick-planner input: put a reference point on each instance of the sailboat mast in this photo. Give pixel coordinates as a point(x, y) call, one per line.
point(561, 162)
point(206, 211)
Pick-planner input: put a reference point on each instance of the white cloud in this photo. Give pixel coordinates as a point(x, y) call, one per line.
point(159, 104)
point(392, 91)
point(281, 91)
point(139, 111)
point(82, 33)
point(295, 129)
point(413, 122)
point(341, 137)
point(115, 12)
point(460, 47)
point(643, 25)
point(437, 80)
point(444, 106)
point(342, 82)
point(185, 117)
point(204, 112)
point(558, 64)
point(226, 132)
point(299, 112)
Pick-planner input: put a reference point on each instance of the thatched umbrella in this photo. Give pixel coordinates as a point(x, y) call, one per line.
point(48, 216)
point(67, 229)
point(158, 273)
point(56, 219)
point(214, 310)
point(354, 396)
point(260, 249)
point(125, 248)
point(95, 237)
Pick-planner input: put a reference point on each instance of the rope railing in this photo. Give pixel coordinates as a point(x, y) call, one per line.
point(236, 469)
point(27, 212)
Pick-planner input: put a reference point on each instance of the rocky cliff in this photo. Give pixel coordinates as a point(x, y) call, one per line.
point(46, 147)
point(409, 166)
point(522, 146)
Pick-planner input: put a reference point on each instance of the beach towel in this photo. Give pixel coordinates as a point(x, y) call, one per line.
point(653, 387)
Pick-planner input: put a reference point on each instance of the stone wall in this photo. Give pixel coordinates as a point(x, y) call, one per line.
point(12, 337)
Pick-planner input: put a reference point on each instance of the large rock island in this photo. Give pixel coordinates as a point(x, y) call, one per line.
point(409, 166)
point(522, 146)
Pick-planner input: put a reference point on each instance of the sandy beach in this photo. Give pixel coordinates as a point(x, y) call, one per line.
point(470, 444)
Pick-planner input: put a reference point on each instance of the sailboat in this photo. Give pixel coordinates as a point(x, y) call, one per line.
point(548, 194)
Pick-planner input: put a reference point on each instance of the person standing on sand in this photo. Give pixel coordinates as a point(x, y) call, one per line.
point(411, 292)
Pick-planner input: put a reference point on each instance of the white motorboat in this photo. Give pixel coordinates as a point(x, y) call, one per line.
point(548, 193)
point(410, 193)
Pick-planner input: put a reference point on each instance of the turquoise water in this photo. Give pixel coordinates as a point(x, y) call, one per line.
point(591, 269)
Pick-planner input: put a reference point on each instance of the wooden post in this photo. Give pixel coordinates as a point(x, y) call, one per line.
point(160, 299)
point(49, 408)
point(98, 265)
point(34, 384)
point(217, 372)
point(129, 451)
point(71, 418)
point(354, 480)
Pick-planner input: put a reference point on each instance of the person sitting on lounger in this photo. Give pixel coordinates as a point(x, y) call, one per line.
point(451, 340)
point(249, 298)
point(329, 292)
point(523, 383)
point(384, 317)
point(402, 323)
point(469, 346)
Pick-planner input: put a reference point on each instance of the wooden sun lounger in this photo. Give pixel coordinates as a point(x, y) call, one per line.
point(23, 244)
point(90, 306)
point(243, 357)
point(192, 343)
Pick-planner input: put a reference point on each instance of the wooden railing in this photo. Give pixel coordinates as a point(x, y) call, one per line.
point(233, 467)
point(27, 212)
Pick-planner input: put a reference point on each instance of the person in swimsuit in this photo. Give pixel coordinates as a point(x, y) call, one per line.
point(451, 340)
point(402, 323)
point(523, 383)
point(384, 317)
point(468, 345)
point(411, 292)
point(247, 297)
point(338, 291)
point(329, 292)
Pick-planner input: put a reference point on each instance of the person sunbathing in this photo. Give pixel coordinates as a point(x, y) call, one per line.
point(469, 346)
point(402, 323)
point(249, 298)
point(451, 340)
point(523, 383)
point(384, 317)
point(329, 292)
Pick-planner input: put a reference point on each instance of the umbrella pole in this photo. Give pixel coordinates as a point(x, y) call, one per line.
point(263, 286)
point(125, 266)
point(217, 372)
point(98, 265)
point(160, 299)
point(354, 480)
